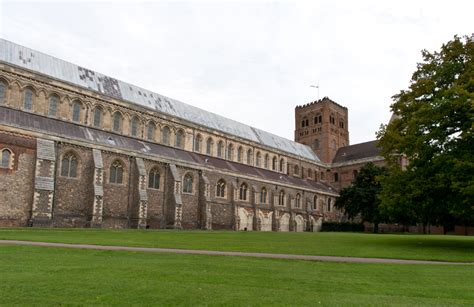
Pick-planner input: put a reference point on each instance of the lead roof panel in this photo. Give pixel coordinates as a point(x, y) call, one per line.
point(62, 70)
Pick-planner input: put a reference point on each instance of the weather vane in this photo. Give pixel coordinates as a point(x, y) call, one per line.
point(316, 86)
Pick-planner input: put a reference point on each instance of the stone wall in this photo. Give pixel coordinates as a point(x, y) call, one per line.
point(16, 184)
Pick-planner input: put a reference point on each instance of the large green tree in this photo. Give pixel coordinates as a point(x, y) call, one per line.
point(360, 199)
point(433, 128)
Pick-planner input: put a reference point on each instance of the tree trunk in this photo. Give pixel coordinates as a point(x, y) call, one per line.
point(376, 227)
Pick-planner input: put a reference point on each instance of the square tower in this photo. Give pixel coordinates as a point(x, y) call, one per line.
point(323, 125)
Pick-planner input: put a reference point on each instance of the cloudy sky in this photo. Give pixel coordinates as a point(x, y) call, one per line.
point(252, 61)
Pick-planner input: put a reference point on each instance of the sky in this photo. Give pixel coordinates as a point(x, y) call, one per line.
point(251, 61)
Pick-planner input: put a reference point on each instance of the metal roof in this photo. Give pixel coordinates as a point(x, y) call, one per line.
point(62, 70)
point(34, 122)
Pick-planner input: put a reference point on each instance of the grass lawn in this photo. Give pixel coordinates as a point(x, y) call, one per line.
point(47, 276)
point(421, 247)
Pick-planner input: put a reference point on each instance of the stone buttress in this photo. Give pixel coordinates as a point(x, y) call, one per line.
point(45, 169)
point(98, 180)
point(142, 193)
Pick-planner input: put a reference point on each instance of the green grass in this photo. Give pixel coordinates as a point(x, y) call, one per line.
point(47, 276)
point(421, 247)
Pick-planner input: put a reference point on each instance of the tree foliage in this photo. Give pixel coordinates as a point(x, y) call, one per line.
point(360, 199)
point(433, 127)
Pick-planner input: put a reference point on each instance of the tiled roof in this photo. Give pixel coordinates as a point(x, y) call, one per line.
point(357, 152)
point(52, 126)
point(86, 78)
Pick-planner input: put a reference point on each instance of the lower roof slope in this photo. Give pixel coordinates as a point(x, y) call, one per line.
point(83, 77)
point(357, 152)
point(52, 126)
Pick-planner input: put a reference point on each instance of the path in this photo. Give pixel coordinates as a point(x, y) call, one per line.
point(228, 253)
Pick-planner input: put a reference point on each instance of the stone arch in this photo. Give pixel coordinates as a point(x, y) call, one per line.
point(245, 219)
point(315, 224)
point(284, 222)
point(265, 220)
point(299, 223)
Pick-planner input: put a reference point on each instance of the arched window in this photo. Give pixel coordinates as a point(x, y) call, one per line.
point(154, 179)
point(69, 165)
point(76, 111)
point(318, 119)
point(281, 198)
point(116, 172)
point(230, 152)
point(28, 99)
point(274, 163)
point(243, 191)
point(150, 131)
point(329, 204)
point(240, 152)
point(296, 170)
point(198, 143)
point(281, 165)
point(220, 146)
point(304, 122)
point(6, 158)
point(97, 117)
point(53, 105)
point(220, 188)
point(134, 127)
point(3, 92)
point(165, 135)
point(331, 119)
point(188, 184)
point(265, 161)
point(333, 144)
point(310, 173)
point(179, 140)
point(209, 145)
point(263, 196)
point(117, 126)
point(315, 202)
point(298, 201)
point(258, 161)
point(341, 124)
point(249, 157)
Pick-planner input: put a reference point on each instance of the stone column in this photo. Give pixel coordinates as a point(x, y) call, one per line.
point(41, 213)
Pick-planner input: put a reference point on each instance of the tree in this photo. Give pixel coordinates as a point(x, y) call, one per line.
point(360, 199)
point(433, 128)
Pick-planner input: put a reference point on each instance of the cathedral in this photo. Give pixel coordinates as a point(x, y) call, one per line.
point(81, 149)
